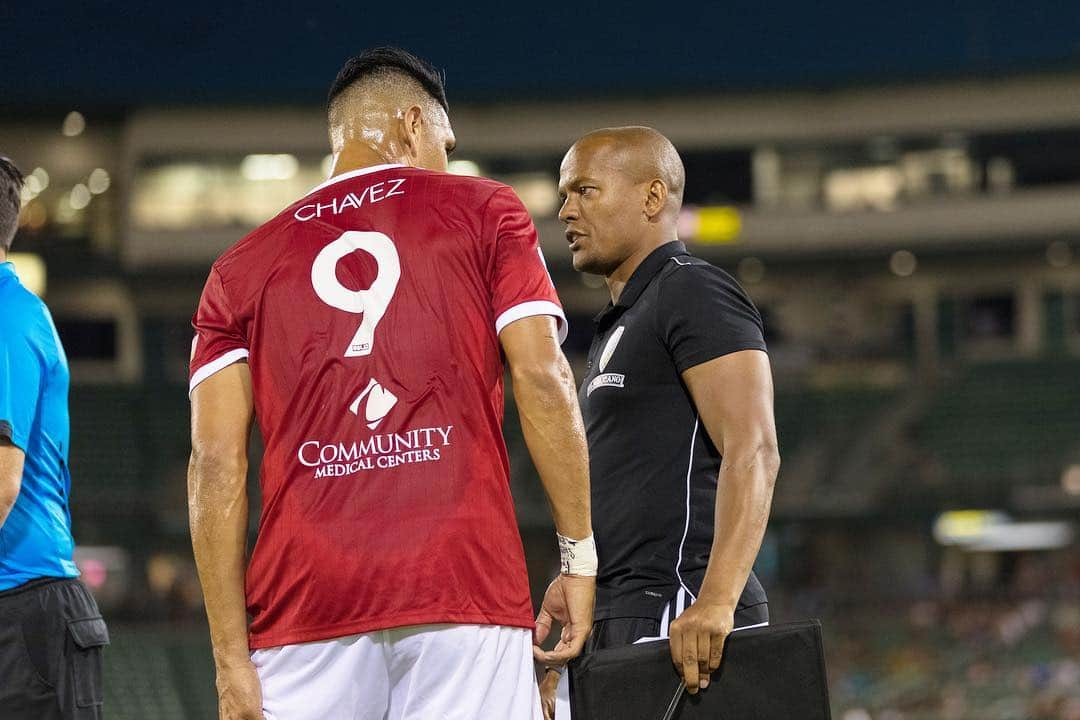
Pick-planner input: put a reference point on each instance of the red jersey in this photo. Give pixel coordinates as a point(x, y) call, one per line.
point(369, 313)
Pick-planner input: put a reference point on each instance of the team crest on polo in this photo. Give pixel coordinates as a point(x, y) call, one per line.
point(609, 348)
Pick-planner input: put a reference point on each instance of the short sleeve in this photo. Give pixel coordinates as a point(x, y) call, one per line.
point(219, 341)
point(702, 314)
point(21, 378)
point(520, 283)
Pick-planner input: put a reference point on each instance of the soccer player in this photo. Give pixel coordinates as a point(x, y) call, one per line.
point(677, 403)
point(365, 327)
point(51, 632)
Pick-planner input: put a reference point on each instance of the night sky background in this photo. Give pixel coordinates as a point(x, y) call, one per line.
point(118, 55)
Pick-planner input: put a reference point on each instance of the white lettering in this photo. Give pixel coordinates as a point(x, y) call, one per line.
point(371, 194)
point(605, 380)
point(350, 201)
point(386, 451)
point(300, 453)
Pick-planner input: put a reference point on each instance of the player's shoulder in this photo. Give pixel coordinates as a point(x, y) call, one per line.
point(22, 308)
point(25, 316)
point(473, 190)
point(240, 253)
point(476, 183)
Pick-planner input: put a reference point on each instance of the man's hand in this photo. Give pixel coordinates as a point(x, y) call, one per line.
point(697, 642)
point(569, 600)
point(548, 686)
point(239, 692)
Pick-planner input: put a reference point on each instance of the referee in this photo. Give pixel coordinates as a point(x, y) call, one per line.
point(51, 633)
point(677, 402)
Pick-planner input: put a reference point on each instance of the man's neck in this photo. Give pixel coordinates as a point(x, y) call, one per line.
point(617, 280)
point(3, 256)
point(356, 156)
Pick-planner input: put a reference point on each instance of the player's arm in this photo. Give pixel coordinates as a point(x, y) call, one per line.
point(20, 386)
point(734, 398)
point(11, 470)
point(222, 412)
point(555, 435)
point(550, 419)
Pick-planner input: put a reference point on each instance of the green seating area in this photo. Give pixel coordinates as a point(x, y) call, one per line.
point(824, 415)
point(999, 424)
point(984, 429)
point(158, 672)
point(106, 439)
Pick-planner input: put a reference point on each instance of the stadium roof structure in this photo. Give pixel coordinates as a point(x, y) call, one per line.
point(124, 54)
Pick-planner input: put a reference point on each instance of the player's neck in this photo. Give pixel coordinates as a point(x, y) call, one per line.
point(617, 280)
point(355, 156)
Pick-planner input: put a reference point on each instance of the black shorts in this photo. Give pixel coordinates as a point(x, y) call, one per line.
point(51, 640)
point(620, 631)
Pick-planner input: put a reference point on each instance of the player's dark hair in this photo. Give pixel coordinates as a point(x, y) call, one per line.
point(389, 59)
point(11, 182)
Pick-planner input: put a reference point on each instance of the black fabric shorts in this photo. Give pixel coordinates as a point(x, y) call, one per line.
point(620, 631)
point(51, 640)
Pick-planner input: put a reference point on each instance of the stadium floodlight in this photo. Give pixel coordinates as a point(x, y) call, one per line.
point(31, 271)
point(269, 167)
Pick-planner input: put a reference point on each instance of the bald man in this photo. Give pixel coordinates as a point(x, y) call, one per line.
point(677, 403)
point(365, 326)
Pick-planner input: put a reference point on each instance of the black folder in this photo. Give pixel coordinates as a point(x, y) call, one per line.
point(775, 672)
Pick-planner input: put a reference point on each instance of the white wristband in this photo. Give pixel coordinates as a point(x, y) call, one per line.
point(577, 557)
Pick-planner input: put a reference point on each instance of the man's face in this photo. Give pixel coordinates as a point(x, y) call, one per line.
point(436, 141)
point(602, 207)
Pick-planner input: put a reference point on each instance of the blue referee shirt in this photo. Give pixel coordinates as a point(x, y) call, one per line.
point(35, 540)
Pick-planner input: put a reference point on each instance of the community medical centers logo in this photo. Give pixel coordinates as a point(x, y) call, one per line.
point(382, 450)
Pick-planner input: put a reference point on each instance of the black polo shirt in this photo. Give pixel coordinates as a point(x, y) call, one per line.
point(653, 466)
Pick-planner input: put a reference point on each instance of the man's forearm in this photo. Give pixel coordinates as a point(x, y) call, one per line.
point(743, 499)
point(555, 435)
point(5, 510)
point(11, 470)
point(218, 509)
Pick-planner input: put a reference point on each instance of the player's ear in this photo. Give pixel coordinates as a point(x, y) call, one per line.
point(412, 131)
point(655, 199)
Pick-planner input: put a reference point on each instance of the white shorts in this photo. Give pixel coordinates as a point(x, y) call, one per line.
point(427, 672)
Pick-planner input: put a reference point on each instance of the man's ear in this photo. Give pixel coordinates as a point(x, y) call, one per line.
point(656, 199)
point(412, 128)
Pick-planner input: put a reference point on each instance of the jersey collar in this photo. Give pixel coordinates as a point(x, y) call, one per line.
point(352, 174)
point(646, 271)
point(643, 275)
point(6, 269)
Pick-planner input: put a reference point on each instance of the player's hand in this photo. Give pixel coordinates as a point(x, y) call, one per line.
point(239, 692)
point(548, 686)
point(569, 600)
point(697, 642)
